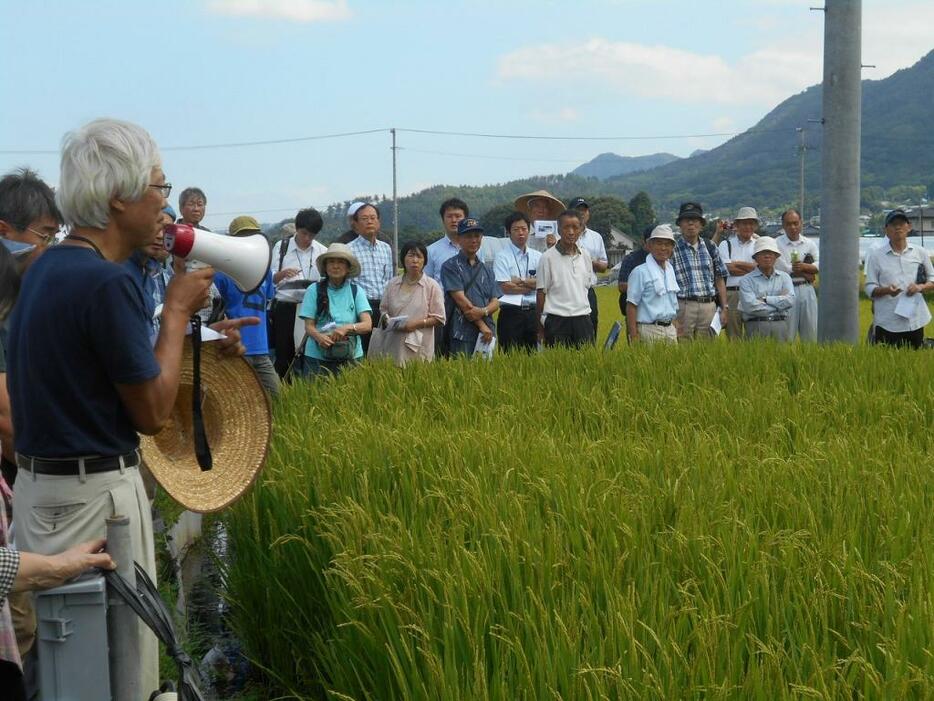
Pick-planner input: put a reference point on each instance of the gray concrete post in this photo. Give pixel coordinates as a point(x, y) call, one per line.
point(122, 622)
point(838, 309)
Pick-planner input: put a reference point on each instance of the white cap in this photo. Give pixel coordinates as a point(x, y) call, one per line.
point(352, 209)
point(747, 213)
point(663, 232)
point(765, 243)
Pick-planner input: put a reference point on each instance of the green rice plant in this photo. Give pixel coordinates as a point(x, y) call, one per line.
point(729, 521)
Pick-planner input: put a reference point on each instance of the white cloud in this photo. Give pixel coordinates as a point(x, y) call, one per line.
point(767, 75)
point(563, 115)
point(895, 35)
point(295, 10)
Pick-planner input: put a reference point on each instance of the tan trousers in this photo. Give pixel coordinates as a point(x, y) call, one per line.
point(51, 513)
point(735, 328)
point(693, 320)
point(652, 333)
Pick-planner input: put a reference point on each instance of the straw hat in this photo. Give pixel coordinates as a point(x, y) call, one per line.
point(555, 206)
point(339, 251)
point(238, 423)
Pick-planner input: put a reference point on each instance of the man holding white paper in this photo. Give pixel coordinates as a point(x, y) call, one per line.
point(898, 273)
point(514, 267)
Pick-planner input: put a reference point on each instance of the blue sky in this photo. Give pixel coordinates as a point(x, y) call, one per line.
point(205, 72)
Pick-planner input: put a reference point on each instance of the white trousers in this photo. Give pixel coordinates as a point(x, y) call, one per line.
point(802, 317)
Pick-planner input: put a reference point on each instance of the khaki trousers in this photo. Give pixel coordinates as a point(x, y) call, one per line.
point(652, 333)
point(51, 513)
point(734, 321)
point(693, 320)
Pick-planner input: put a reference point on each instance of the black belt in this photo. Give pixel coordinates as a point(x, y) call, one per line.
point(775, 317)
point(702, 300)
point(798, 283)
point(734, 288)
point(71, 466)
point(656, 323)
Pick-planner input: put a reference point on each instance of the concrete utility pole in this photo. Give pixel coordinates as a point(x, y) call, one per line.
point(395, 205)
point(838, 302)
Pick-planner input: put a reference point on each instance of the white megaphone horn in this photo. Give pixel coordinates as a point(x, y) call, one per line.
point(245, 259)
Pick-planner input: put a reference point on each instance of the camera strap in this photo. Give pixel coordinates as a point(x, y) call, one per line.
point(202, 449)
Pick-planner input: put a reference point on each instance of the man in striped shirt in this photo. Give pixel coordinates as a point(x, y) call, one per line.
point(375, 258)
point(701, 276)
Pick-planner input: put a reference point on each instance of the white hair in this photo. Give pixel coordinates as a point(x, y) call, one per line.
point(103, 160)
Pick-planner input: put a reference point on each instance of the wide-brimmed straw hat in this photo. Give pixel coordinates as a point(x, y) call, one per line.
point(339, 251)
point(238, 423)
point(555, 206)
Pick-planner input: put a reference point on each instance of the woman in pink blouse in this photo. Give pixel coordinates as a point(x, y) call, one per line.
point(413, 304)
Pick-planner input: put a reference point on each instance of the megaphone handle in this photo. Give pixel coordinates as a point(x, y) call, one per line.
point(202, 449)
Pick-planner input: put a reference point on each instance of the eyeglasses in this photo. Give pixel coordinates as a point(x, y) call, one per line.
point(166, 189)
point(45, 238)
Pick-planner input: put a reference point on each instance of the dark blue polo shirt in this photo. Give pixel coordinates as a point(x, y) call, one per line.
point(79, 328)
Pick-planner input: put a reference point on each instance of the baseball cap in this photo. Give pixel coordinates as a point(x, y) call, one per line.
point(468, 224)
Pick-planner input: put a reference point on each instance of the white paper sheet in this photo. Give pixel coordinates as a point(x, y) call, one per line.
point(715, 325)
point(515, 300)
point(907, 307)
point(543, 228)
point(485, 350)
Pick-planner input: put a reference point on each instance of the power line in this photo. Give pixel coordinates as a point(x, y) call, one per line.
point(588, 138)
point(492, 158)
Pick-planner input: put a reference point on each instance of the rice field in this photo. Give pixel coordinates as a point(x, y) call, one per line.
point(723, 521)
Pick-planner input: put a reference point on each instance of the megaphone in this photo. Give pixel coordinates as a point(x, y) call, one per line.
point(245, 259)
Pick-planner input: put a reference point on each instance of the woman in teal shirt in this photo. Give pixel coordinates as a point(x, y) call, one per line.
point(334, 324)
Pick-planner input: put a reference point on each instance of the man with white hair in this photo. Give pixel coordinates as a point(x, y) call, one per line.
point(799, 259)
point(84, 377)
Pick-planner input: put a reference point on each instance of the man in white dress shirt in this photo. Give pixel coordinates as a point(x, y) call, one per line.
point(592, 242)
point(736, 252)
point(799, 259)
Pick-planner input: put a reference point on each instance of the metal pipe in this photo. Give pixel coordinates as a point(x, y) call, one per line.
point(838, 310)
point(122, 623)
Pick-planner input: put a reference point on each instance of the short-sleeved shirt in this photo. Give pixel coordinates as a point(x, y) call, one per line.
point(79, 329)
point(650, 306)
point(255, 338)
point(376, 268)
point(295, 257)
point(511, 262)
point(885, 267)
point(343, 308)
point(439, 253)
point(697, 268)
point(592, 242)
point(733, 250)
point(456, 274)
point(153, 277)
point(565, 280)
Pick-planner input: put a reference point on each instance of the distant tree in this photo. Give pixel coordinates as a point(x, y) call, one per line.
point(492, 220)
point(607, 212)
point(642, 212)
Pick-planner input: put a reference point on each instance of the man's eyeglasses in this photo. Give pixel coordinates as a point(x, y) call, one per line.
point(166, 189)
point(45, 239)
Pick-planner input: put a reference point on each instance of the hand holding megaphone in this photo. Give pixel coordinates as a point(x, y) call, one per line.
point(245, 259)
point(188, 293)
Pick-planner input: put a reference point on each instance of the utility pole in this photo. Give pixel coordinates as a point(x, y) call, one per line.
point(838, 303)
point(395, 203)
point(801, 151)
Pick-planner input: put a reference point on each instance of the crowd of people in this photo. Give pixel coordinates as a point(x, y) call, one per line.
point(94, 326)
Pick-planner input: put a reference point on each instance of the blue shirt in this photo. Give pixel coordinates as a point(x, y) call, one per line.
point(343, 308)
point(152, 277)
point(630, 263)
point(696, 269)
point(255, 338)
point(650, 306)
point(511, 262)
point(456, 273)
point(78, 330)
point(376, 268)
point(439, 253)
point(761, 296)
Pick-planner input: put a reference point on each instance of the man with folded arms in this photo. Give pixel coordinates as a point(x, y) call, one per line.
point(799, 259)
point(898, 273)
point(700, 274)
point(375, 258)
point(736, 252)
point(652, 294)
point(766, 295)
point(515, 267)
point(564, 272)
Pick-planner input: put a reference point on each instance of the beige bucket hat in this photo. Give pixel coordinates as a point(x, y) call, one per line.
point(340, 251)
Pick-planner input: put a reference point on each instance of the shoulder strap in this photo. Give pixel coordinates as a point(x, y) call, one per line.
point(283, 249)
point(321, 306)
point(473, 278)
